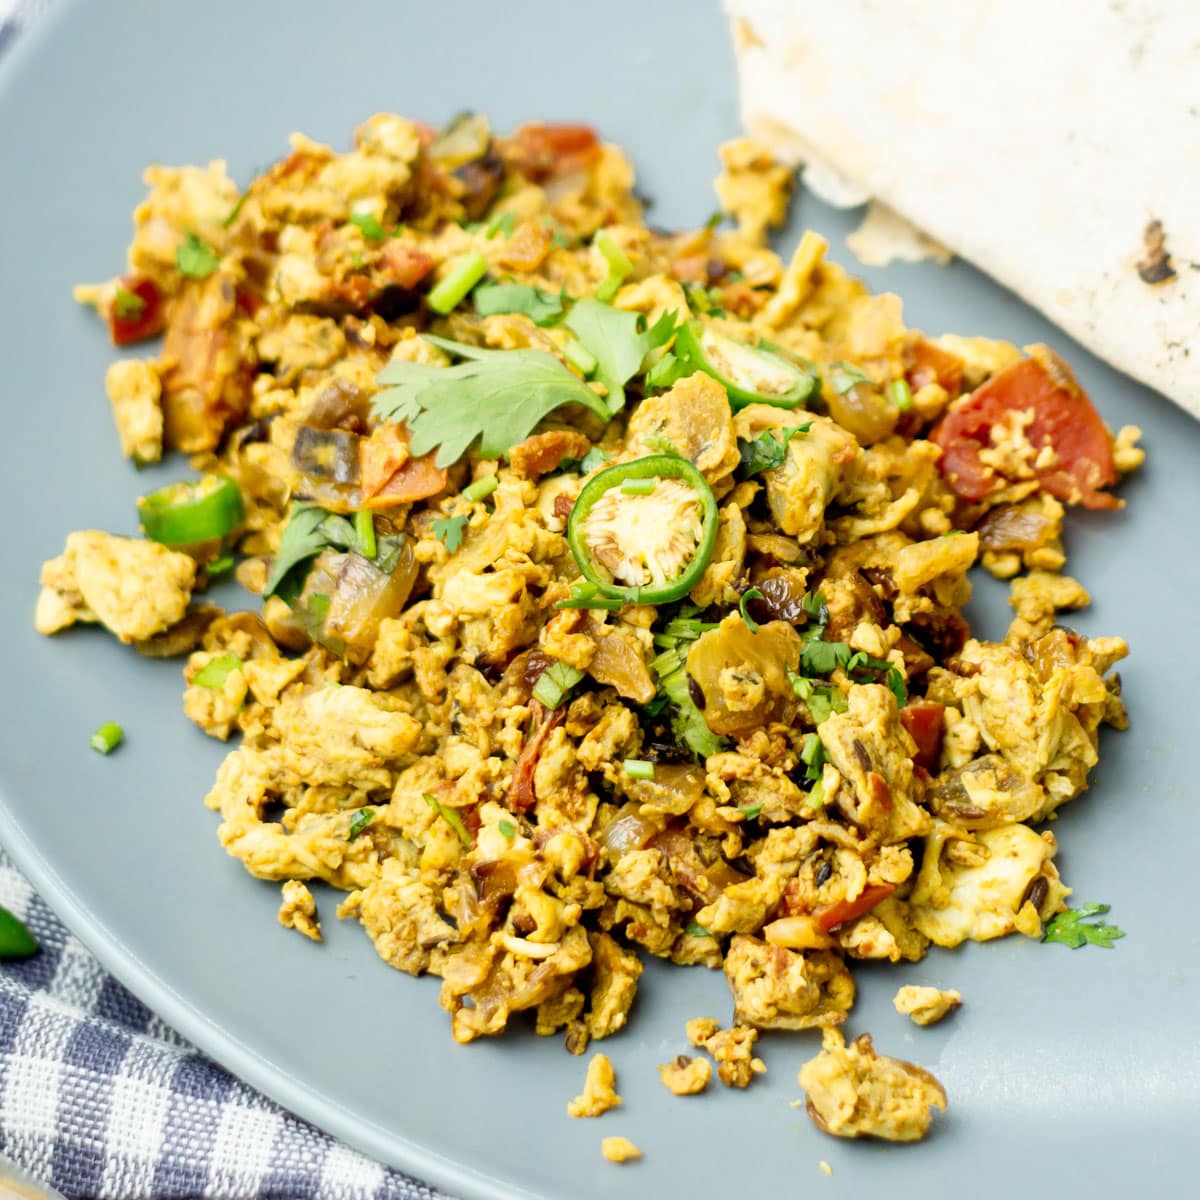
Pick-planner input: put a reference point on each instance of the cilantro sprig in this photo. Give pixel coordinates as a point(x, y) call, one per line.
point(618, 341)
point(309, 531)
point(1079, 927)
point(449, 531)
point(493, 397)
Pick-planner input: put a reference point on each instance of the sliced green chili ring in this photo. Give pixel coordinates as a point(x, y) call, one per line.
point(15, 940)
point(185, 514)
point(750, 374)
point(658, 467)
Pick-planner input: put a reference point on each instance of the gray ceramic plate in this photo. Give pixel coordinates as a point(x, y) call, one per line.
point(1062, 1066)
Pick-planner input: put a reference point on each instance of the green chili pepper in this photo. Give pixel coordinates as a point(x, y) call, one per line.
point(644, 545)
point(188, 513)
point(750, 374)
point(15, 940)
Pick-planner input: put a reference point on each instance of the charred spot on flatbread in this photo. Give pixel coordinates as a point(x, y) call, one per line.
point(1156, 266)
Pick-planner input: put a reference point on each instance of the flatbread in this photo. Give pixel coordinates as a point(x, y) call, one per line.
point(1055, 145)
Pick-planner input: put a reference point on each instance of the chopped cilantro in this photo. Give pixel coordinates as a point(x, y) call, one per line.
point(593, 459)
point(668, 371)
point(541, 307)
point(1076, 928)
point(751, 811)
point(819, 658)
point(361, 819)
point(618, 341)
point(449, 531)
point(309, 531)
point(495, 397)
point(766, 452)
point(695, 929)
point(814, 607)
point(195, 258)
point(821, 699)
point(812, 754)
point(507, 828)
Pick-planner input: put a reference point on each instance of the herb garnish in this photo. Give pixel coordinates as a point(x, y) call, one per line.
point(767, 451)
point(541, 307)
point(618, 341)
point(1076, 928)
point(368, 224)
point(361, 819)
point(495, 396)
point(451, 817)
point(449, 531)
point(195, 258)
point(128, 305)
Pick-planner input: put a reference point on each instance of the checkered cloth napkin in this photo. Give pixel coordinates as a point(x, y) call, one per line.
point(103, 1101)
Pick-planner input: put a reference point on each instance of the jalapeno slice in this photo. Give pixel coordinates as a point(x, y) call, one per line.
point(643, 531)
point(750, 374)
point(188, 513)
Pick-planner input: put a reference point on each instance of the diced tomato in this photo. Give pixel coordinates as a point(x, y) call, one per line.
point(403, 266)
point(248, 300)
point(1063, 419)
point(846, 910)
point(929, 363)
point(389, 475)
point(549, 149)
point(923, 720)
point(144, 317)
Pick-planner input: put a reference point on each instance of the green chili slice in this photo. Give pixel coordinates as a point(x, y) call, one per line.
point(750, 374)
point(195, 511)
point(15, 940)
point(644, 545)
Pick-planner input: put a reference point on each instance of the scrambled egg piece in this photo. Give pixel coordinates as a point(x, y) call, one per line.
point(298, 910)
point(854, 1092)
point(925, 1005)
point(733, 1050)
point(134, 588)
point(684, 1075)
point(599, 1090)
point(619, 1150)
point(135, 391)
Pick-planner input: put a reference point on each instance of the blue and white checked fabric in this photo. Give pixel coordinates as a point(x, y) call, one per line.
point(101, 1100)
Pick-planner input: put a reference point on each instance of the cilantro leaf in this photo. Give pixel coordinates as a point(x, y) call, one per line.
point(1076, 928)
point(815, 609)
point(369, 224)
point(495, 396)
point(819, 658)
point(687, 721)
point(766, 452)
point(195, 258)
point(449, 531)
point(821, 699)
point(361, 819)
point(618, 343)
point(668, 371)
point(542, 308)
point(309, 531)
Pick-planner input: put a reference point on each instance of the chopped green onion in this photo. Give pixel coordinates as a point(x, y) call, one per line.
point(812, 754)
point(503, 223)
point(15, 940)
point(361, 819)
point(901, 394)
point(695, 929)
point(232, 214)
point(481, 489)
point(748, 595)
point(639, 768)
point(816, 798)
point(364, 527)
point(451, 817)
point(555, 682)
point(368, 224)
point(619, 265)
point(750, 811)
point(579, 356)
point(214, 673)
point(220, 566)
point(639, 487)
point(593, 459)
point(507, 828)
point(458, 282)
point(107, 738)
